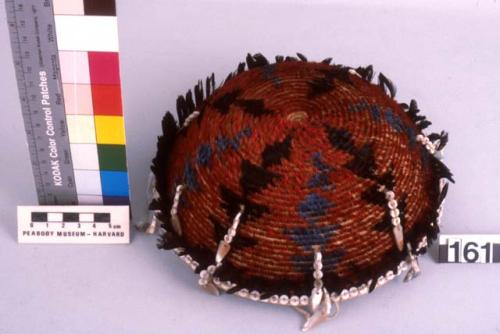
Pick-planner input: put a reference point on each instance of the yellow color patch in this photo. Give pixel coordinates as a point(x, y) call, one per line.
point(110, 130)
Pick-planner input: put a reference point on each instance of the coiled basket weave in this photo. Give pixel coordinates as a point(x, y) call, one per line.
point(288, 159)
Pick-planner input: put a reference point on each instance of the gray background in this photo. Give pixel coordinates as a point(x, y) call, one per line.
point(444, 54)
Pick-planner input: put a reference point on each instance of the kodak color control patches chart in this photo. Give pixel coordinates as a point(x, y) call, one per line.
point(67, 65)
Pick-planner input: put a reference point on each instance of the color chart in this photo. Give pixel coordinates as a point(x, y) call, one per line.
point(87, 42)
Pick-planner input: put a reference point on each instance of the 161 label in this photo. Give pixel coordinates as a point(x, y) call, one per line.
point(469, 248)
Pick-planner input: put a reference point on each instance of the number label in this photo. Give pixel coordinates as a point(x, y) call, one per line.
point(469, 248)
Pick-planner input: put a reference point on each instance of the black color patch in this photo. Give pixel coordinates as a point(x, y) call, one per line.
point(273, 153)
point(71, 217)
point(254, 107)
point(255, 178)
point(387, 179)
point(39, 216)
point(341, 139)
point(102, 217)
point(374, 196)
point(325, 83)
point(224, 102)
point(238, 242)
point(363, 163)
point(99, 7)
point(440, 168)
point(231, 204)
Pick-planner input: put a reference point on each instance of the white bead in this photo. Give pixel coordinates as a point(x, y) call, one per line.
point(333, 296)
point(394, 213)
point(389, 195)
point(420, 138)
point(318, 274)
point(353, 291)
point(232, 232)
point(393, 204)
point(211, 269)
point(318, 265)
point(227, 239)
point(284, 299)
point(274, 299)
point(389, 275)
point(363, 289)
point(254, 295)
point(216, 280)
point(344, 294)
point(204, 274)
point(294, 300)
point(381, 280)
point(202, 281)
point(243, 292)
point(396, 221)
point(404, 266)
point(304, 300)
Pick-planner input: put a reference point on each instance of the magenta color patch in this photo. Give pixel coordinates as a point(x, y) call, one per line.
point(104, 68)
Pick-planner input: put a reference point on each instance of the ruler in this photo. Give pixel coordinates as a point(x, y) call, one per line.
point(35, 53)
point(73, 224)
point(67, 66)
point(469, 248)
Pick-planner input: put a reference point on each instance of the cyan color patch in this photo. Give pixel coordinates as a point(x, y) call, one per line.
point(114, 183)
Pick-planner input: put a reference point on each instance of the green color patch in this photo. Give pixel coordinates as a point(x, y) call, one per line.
point(112, 157)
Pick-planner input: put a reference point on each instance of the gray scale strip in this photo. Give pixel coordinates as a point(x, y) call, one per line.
point(34, 49)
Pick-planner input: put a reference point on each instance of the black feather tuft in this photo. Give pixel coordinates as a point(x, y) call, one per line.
point(327, 61)
point(301, 56)
point(386, 85)
point(366, 72)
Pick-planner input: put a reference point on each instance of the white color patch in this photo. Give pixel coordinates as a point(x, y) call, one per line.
point(87, 33)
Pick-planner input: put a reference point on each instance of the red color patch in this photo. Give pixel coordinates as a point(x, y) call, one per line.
point(104, 68)
point(107, 100)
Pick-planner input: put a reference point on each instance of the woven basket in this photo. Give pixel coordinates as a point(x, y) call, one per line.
point(310, 151)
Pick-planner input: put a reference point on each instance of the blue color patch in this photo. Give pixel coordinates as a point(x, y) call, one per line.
point(309, 236)
point(316, 157)
point(204, 155)
point(375, 111)
point(355, 107)
point(411, 136)
point(320, 179)
point(393, 120)
point(269, 74)
point(115, 200)
point(313, 206)
point(190, 176)
point(114, 183)
point(222, 143)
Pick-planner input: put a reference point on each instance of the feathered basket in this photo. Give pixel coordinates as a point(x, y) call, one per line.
point(298, 183)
